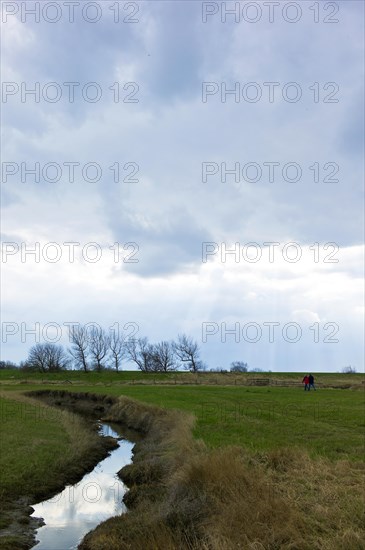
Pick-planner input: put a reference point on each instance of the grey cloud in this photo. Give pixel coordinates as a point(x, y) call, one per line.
point(171, 244)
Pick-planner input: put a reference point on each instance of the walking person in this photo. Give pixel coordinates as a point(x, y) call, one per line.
point(311, 382)
point(306, 382)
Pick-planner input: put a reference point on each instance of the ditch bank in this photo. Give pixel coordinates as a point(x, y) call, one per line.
point(17, 528)
point(181, 495)
point(184, 496)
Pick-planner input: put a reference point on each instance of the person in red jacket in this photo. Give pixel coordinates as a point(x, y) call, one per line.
point(306, 382)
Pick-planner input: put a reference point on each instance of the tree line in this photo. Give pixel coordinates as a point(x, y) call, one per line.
point(95, 349)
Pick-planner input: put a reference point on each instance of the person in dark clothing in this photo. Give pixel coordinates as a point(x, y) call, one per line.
point(306, 382)
point(311, 382)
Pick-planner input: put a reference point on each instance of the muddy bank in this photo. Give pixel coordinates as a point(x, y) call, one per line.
point(89, 405)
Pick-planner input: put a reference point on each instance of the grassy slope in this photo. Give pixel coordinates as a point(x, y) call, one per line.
point(31, 439)
point(16, 375)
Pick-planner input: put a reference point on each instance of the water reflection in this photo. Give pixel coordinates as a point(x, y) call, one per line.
point(79, 508)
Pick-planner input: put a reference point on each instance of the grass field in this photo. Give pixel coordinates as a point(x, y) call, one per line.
point(328, 424)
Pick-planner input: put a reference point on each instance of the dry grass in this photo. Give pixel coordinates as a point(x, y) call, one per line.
point(329, 495)
point(236, 505)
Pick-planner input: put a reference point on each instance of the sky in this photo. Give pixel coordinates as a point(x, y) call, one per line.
point(172, 167)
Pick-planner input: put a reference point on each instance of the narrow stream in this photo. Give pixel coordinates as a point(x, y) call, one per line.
point(79, 508)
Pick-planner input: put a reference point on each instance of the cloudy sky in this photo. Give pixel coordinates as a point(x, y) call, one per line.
point(168, 134)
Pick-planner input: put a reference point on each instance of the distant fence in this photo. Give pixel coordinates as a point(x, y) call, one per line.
point(216, 380)
point(189, 379)
point(258, 382)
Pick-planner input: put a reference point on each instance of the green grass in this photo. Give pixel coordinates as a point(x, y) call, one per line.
point(31, 441)
point(329, 422)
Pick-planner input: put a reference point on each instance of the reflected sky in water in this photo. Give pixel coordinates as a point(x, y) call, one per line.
point(81, 507)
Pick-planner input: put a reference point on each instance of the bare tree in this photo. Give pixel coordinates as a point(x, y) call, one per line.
point(117, 346)
point(37, 358)
point(79, 351)
point(163, 357)
point(99, 347)
point(141, 353)
point(348, 370)
point(47, 358)
point(7, 365)
point(187, 350)
point(57, 358)
point(239, 366)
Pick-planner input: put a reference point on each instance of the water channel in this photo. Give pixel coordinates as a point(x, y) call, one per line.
point(79, 508)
